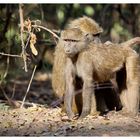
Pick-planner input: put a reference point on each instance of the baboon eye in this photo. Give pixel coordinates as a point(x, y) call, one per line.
point(71, 40)
point(66, 40)
point(87, 35)
point(74, 40)
point(96, 35)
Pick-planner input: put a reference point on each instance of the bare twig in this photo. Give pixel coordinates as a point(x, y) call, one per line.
point(30, 104)
point(7, 67)
point(38, 26)
point(28, 86)
point(6, 71)
point(11, 55)
point(9, 101)
point(21, 35)
point(27, 41)
point(56, 31)
point(21, 24)
point(97, 86)
point(7, 64)
point(14, 89)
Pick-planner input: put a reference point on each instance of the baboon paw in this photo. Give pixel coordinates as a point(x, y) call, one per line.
point(126, 112)
point(66, 118)
point(83, 115)
point(72, 116)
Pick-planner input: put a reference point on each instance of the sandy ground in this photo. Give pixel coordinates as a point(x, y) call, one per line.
point(40, 119)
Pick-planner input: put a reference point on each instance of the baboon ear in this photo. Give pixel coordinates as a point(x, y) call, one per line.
point(86, 37)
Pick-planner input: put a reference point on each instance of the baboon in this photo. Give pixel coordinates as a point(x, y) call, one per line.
point(98, 62)
point(92, 30)
point(87, 25)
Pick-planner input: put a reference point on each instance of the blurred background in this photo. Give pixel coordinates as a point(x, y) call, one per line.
point(119, 21)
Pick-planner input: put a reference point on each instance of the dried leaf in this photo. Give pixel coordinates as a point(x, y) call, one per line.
point(33, 38)
point(33, 49)
point(28, 25)
point(32, 43)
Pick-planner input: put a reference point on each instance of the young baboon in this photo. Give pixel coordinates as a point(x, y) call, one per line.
point(97, 62)
point(88, 26)
point(92, 31)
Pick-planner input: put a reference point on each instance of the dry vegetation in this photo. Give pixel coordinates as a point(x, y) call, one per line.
point(43, 120)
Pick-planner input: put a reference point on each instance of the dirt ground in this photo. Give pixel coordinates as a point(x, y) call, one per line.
point(39, 118)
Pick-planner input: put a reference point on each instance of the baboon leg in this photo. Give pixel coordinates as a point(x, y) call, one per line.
point(77, 101)
point(68, 100)
point(70, 88)
point(76, 105)
point(94, 105)
point(132, 68)
point(123, 97)
point(86, 95)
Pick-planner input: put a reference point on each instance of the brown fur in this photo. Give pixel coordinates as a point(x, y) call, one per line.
point(99, 63)
point(121, 75)
point(87, 25)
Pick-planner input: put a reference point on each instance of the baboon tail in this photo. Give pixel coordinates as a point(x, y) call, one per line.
point(130, 43)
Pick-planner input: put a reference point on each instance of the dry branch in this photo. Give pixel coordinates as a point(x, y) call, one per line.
point(21, 35)
point(38, 26)
point(29, 85)
point(10, 101)
point(11, 55)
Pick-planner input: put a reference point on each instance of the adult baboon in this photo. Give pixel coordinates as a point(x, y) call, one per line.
point(87, 25)
point(92, 31)
point(97, 62)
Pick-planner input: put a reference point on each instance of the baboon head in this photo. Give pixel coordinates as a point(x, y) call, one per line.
point(88, 26)
point(74, 41)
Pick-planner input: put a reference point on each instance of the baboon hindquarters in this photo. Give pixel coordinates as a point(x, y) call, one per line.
point(128, 82)
point(111, 60)
point(132, 81)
